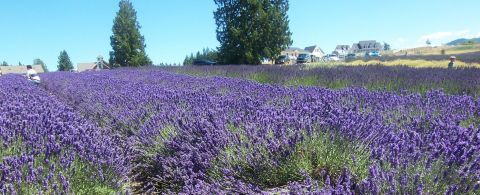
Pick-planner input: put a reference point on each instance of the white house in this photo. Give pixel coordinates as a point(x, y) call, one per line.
point(366, 46)
point(293, 52)
point(315, 51)
point(342, 50)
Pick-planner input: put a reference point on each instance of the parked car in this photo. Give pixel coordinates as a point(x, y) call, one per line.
point(351, 56)
point(283, 59)
point(372, 54)
point(331, 57)
point(203, 62)
point(304, 58)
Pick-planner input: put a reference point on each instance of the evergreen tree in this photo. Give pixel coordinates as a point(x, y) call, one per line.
point(198, 55)
point(186, 60)
point(64, 63)
point(386, 46)
point(192, 58)
point(428, 42)
point(4, 63)
point(249, 31)
point(40, 62)
point(20, 64)
point(127, 42)
point(206, 54)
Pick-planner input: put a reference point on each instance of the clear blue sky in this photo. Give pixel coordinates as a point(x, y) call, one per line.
point(41, 29)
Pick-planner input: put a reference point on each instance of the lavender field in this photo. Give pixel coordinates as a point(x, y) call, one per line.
point(374, 130)
point(397, 79)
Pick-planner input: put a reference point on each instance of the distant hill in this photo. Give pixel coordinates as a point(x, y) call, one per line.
point(463, 40)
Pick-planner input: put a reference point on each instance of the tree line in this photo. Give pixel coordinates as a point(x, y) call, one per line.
point(206, 54)
point(64, 63)
point(248, 32)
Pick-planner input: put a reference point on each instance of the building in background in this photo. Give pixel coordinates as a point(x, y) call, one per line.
point(293, 52)
point(341, 50)
point(100, 64)
point(364, 47)
point(315, 51)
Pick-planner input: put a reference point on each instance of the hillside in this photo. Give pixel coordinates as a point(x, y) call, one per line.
point(462, 41)
point(437, 50)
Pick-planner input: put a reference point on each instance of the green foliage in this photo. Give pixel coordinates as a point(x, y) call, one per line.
point(64, 63)
point(317, 154)
point(436, 177)
point(40, 62)
point(148, 166)
point(262, 77)
point(386, 46)
point(4, 63)
point(442, 52)
point(303, 81)
point(85, 181)
point(168, 64)
point(472, 121)
point(127, 42)
point(469, 42)
point(20, 64)
point(251, 30)
point(428, 42)
point(83, 177)
point(206, 54)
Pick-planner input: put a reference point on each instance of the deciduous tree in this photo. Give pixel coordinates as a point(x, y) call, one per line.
point(251, 30)
point(386, 46)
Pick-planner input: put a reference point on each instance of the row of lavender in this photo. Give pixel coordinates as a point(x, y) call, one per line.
point(378, 78)
point(45, 147)
point(221, 135)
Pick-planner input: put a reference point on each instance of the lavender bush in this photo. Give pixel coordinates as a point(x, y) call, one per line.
point(377, 78)
point(46, 148)
point(219, 135)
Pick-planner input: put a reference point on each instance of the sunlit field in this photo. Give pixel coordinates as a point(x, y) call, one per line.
point(242, 129)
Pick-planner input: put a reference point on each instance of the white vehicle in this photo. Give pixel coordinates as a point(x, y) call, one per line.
point(331, 57)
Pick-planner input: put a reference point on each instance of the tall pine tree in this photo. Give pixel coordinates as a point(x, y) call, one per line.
point(64, 63)
point(4, 63)
point(127, 42)
point(251, 30)
point(40, 62)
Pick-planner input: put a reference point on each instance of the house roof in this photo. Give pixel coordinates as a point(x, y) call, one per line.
point(292, 49)
point(85, 66)
point(295, 49)
point(91, 66)
point(312, 48)
point(342, 47)
point(20, 69)
point(370, 44)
